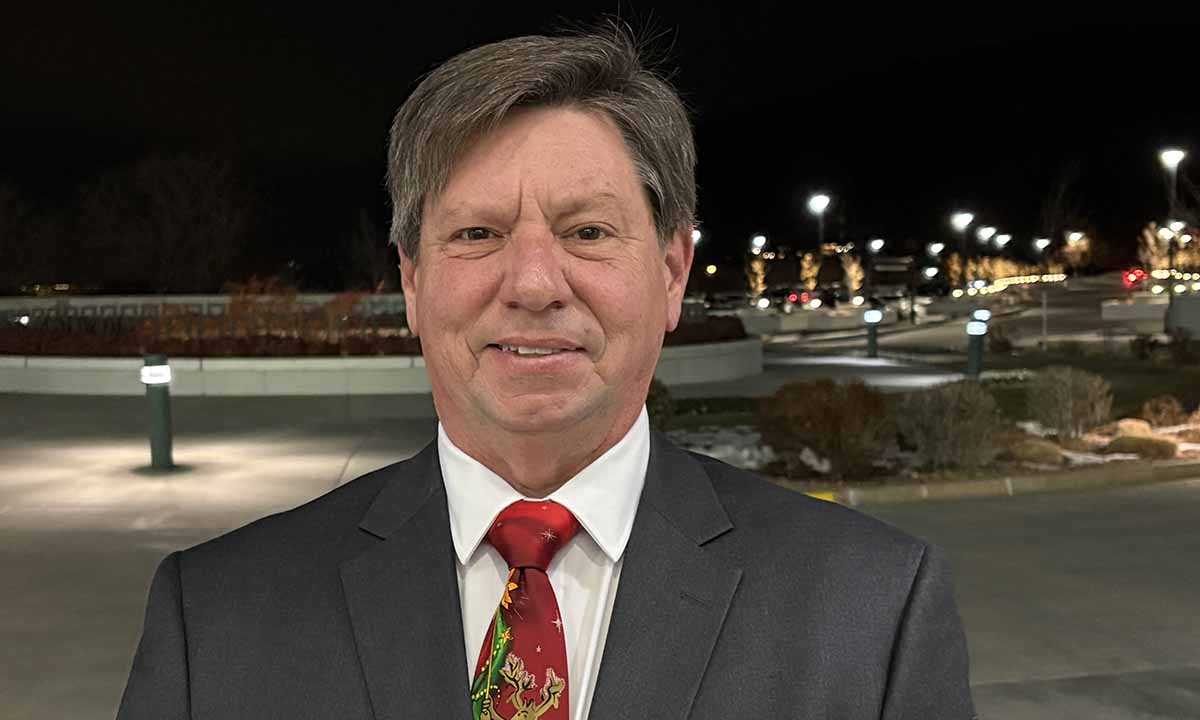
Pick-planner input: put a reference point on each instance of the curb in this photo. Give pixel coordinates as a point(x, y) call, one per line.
point(1112, 475)
point(897, 328)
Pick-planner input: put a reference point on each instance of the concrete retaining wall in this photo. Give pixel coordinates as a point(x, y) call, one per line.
point(388, 375)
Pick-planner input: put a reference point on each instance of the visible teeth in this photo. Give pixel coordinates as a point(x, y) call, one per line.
point(522, 350)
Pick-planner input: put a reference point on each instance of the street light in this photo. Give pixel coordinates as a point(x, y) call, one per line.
point(1176, 226)
point(710, 270)
point(1002, 240)
point(931, 272)
point(696, 236)
point(1041, 244)
point(1170, 159)
point(876, 245)
point(985, 233)
point(817, 205)
point(757, 243)
point(936, 248)
point(960, 221)
point(1074, 237)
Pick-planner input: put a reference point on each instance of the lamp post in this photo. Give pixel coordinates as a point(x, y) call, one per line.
point(156, 375)
point(960, 221)
point(1170, 159)
point(817, 205)
point(874, 247)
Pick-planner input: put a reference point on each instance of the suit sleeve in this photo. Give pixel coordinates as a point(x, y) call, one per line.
point(158, 681)
point(928, 679)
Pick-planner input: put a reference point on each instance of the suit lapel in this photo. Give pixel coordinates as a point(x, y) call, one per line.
point(672, 597)
point(403, 598)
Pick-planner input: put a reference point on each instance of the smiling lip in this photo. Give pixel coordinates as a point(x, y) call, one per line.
point(552, 343)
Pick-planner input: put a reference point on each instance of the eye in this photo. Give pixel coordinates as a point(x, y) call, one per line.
point(590, 232)
point(474, 234)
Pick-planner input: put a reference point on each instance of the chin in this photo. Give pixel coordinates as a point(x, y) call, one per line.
point(539, 412)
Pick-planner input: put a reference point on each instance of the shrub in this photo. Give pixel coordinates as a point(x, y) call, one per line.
point(1150, 448)
point(1036, 450)
point(659, 406)
point(846, 423)
point(1000, 338)
point(1184, 349)
point(1163, 411)
point(953, 425)
point(1142, 347)
point(1133, 427)
point(1068, 399)
point(716, 329)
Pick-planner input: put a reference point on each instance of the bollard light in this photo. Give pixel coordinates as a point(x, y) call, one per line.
point(156, 375)
point(872, 318)
point(982, 315)
point(976, 329)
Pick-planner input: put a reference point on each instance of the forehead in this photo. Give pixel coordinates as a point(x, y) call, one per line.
point(554, 152)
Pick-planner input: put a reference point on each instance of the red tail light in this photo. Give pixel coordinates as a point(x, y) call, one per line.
point(793, 297)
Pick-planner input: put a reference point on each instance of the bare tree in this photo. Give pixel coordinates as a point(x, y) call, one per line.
point(1063, 208)
point(373, 263)
point(16, 254)
point(168, 223)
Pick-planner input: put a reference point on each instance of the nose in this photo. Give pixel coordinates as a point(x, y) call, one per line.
point(534, 277)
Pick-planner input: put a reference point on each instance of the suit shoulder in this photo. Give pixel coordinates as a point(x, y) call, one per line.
point(773, 513)
point(322, 521)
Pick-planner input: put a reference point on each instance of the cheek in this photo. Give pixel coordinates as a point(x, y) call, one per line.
point(623, 300)
point(451, 298)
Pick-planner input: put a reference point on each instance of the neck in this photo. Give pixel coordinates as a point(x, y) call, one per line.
point(537, 464)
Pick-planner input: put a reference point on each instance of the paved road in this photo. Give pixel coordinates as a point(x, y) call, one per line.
point(1076, 606)
point(1071, 308)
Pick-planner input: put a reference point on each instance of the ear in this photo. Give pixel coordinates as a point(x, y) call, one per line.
point(409, 277)
point(677, 264)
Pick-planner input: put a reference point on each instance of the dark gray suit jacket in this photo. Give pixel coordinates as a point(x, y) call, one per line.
point(737, 598)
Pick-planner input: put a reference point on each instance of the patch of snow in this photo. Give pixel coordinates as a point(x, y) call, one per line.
point(1033, 427)
point(1085, 458)
point(739, 446)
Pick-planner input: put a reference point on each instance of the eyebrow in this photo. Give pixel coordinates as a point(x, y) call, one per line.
point(567, 206)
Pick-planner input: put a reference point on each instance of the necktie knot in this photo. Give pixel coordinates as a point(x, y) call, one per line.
point(528, 534)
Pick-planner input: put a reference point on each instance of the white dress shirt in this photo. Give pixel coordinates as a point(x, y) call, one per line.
point(603, 497)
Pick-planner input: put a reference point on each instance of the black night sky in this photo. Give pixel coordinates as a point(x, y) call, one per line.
point(902, 116)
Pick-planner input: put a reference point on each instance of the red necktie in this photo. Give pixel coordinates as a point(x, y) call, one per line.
point(522, 668)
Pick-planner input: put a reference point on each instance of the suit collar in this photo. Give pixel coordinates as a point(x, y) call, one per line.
point(403, 599)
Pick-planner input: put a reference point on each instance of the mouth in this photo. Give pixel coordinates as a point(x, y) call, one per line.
point(532, 351)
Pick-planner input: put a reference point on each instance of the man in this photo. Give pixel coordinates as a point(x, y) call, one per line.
point(548, 556)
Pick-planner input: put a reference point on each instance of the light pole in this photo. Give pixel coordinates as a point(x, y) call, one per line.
point(960, 222)
point(1170, 159)
point(817, 205)
point(874, 247)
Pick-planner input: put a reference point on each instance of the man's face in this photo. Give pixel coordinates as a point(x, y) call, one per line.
point(543, 239)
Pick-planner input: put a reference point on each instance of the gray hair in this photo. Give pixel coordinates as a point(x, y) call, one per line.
point(599, 71)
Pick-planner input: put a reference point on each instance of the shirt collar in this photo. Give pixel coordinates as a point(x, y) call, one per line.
point(603, 496)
